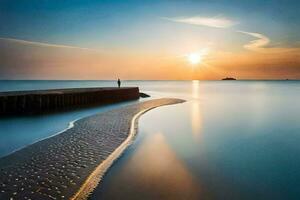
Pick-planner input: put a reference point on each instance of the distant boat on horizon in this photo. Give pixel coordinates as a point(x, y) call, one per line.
point(228, 79)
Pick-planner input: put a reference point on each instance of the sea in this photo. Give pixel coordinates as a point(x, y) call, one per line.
point(229, 140)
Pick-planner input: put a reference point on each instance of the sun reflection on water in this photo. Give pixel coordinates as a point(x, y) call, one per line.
point(195, 89)
point(156, 167)
point(196, 118)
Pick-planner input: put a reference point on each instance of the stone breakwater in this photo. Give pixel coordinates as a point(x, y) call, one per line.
point(31, 102)
point(70, 165)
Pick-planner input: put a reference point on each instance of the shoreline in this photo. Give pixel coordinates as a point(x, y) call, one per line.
point(96, 176)
point(71, 163)
point(67, 123)
point(69, 126)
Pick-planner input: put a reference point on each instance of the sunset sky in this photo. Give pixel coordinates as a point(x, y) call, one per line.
point(93, 39)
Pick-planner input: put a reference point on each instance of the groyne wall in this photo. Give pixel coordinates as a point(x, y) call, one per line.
point(32, 102)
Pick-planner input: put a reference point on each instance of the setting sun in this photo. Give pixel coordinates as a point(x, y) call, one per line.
point(194, 58)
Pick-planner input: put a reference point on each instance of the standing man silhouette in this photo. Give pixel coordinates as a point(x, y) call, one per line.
point(119, 83)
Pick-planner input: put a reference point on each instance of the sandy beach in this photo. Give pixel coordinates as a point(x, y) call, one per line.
point(60, 167)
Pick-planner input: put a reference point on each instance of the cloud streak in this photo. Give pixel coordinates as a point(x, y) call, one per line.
point(215, 22)
point(257, 45)
point(41, 44)
point(261, 45)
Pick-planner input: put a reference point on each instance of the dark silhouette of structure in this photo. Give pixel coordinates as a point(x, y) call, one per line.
point(42, 101)
point(119, 82)
point(228, 79)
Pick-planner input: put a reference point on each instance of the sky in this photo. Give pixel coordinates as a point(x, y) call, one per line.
point(149, 39)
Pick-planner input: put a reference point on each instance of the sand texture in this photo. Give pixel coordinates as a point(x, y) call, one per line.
point(63, 166)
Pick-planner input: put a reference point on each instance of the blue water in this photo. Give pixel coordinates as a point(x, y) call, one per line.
point(230, 140)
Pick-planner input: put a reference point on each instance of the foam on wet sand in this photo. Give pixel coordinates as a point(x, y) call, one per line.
point(71, 164)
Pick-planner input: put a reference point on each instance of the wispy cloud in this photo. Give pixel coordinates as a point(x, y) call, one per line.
point(261, 44)
point(41, 44)
point(216, 22)
point(258, 44)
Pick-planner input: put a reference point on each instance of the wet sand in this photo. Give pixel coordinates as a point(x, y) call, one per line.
point(71, 164)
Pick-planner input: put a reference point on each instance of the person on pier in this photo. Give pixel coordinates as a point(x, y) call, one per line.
point(119, 83)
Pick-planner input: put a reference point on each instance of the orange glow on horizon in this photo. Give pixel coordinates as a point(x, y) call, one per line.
point(66, 63)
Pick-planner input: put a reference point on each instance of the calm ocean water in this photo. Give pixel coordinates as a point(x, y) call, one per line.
point(230, 140)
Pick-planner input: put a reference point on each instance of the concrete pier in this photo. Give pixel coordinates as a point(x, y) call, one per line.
point(31, 102)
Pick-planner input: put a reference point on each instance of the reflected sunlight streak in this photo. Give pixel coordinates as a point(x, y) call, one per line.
point(165, 172)
point(195, 89)
point(196, 119)
point(195, 110)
